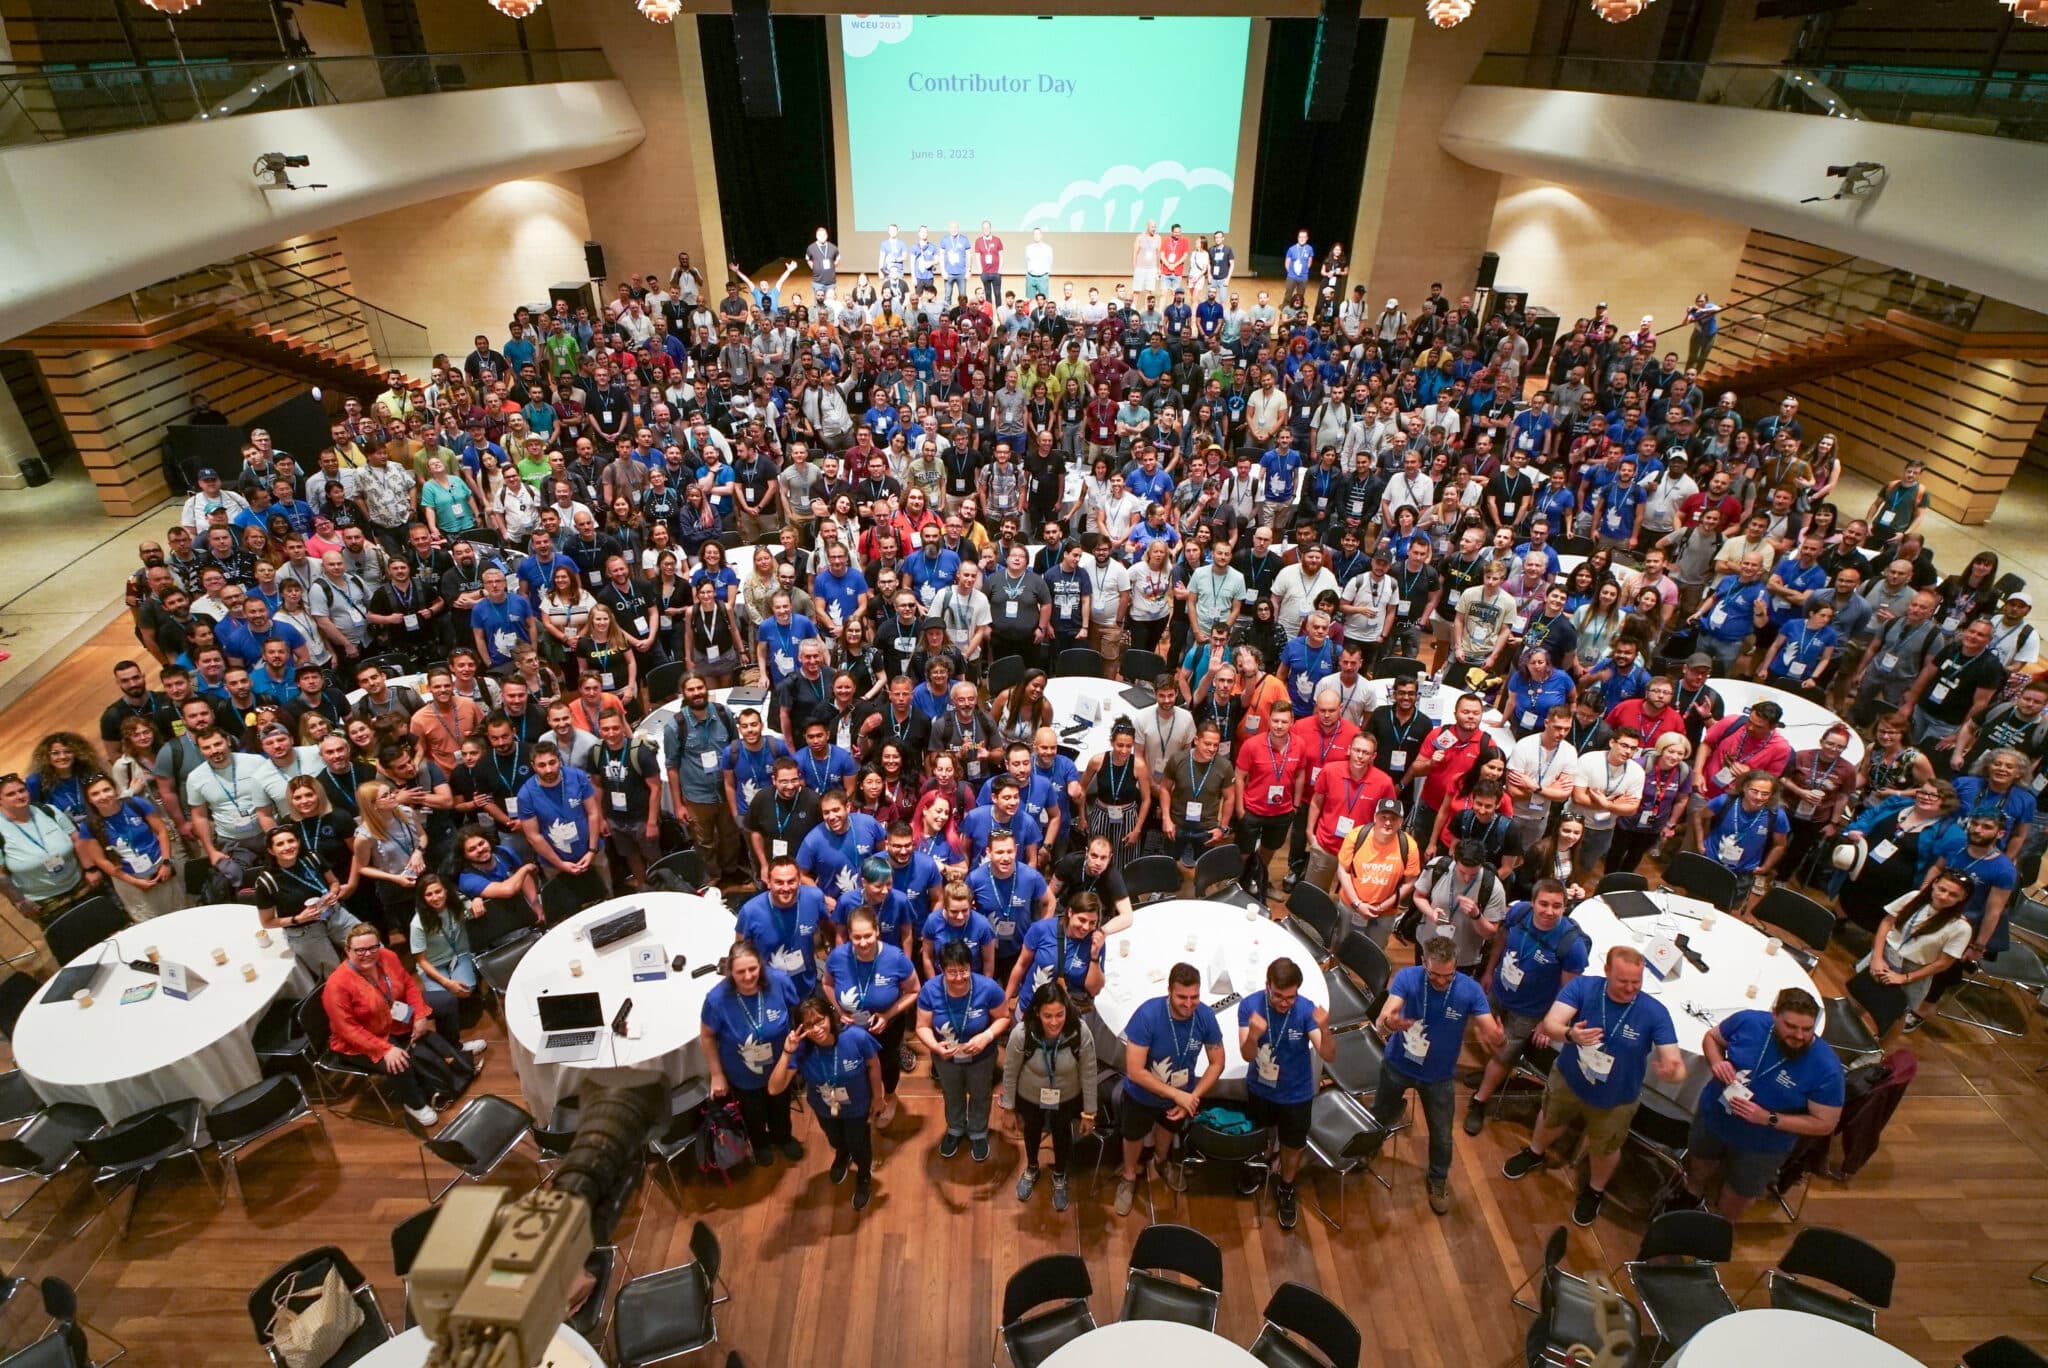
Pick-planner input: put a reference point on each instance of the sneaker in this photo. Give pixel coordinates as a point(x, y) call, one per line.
point(1522, 1163)
point(863, 1188)
point(475, 1048)
point(426, 1116)
point(907, 1057)
point(978, 1147)
point(1126, 1191)
point(1250, 1179)
point(1176, 1175)
point(1914, 1021)
point(840, 1163)
point(1587, 1206)
point(885, 1113)
point(764, 1156)
point(792, 1150)
point(1288, 1206)
point(1027, 1184)
point(1475, 1117)
point(1439, 1195)
point(1287, 884)
point(949, 1145)
point(1059, 1192)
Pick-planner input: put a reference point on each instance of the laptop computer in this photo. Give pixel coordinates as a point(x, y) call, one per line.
point(69, 982)
point(612, 930)
point(574, 1023)
point(1630, 904)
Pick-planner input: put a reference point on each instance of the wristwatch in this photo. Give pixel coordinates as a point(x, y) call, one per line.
point(1773, 1123)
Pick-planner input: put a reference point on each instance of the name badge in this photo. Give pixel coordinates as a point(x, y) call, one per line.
point(1888, 662)
point(639, 626)
point(412, 622)
point(1415, 1041)
point(618, 802)
point(1049, 1098)
point(778, 848)
point(1882, 851)
point(1401, 607)
point(1595, 1063)
point(1273, 792)
point(709, 760)
point(1192, 812)
point(1730, 849)
point(1010, 609)
point(1397, 760)
point(1507, 511)
point(1528, 718)
point(1938, 693)
point(401, 1013)
point(1345, 826)
point(512, 808)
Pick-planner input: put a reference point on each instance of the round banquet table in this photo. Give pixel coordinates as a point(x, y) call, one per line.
point(1228, 941)
point(667, 1012)
point(127, 1058)
point(1734, 952)
point(409, 1350)
point(1084, 708)
point(1805, 720)
point(1769, 1335)
point(1123, 1343)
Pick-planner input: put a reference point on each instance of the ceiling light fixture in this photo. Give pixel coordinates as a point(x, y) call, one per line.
point(1448, 13)
point(515, 9)
point(171, 7)
point(1619, 11)
point(660, 11)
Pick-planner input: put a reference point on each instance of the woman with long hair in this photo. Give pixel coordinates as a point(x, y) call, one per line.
point(390, 855)
point(668, 595)
point(1825, 460)
point(899, 782)
point(1560, 856)
point(1118, 784)
point(564, 612)
point(1021, 709)
point(1922, 940)
point(1667, 790)
point(874, 986)
point(711, 637)
point(58, 769)
point(841, 1068)
point(856, 654)
point(1489, 767)
point(134, 769)
point(936, 824)
point(127, 839)
point(747, 1016)
point(1579, 583)
point(1599, 622)
point(296, 892)
point(1151, 596)
point(698, 525)
point(713, 570)
point(1049, 1083)
point(440, 946)
point(606, 652)
point(1890, 768)
point(1970, 593)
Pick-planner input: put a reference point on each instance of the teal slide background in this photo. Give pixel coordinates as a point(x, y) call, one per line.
point(1062, 124)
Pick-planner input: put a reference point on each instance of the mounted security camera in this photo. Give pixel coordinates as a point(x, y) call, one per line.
point(1858, 179)
point(272, 171)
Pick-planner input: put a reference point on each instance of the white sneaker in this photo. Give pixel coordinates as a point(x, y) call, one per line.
point(475, 1048)
point(426, 1116)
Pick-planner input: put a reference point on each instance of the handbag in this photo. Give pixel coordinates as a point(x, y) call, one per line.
point(309, 1321)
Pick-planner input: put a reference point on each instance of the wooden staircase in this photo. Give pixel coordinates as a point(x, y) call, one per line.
point(281, 351)
point(1863, 343)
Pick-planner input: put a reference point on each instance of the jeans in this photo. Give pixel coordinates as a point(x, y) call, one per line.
point(1594, 846)
point(956, 288)
point(1037, 1120)
point(992, 286)
point(1723, 652)
point(1439, 1105)
point(967, 1088)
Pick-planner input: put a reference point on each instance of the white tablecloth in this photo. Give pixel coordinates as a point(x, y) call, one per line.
point(409, 1350)
point(1126, 1344)
point(125, 1059)
point(1805, 720)
point(1098, 703)
point(1734, 952)
point(1227, 940)
point(667, 1012)
point(1768, 1335)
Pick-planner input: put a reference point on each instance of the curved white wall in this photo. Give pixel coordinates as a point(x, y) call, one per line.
point(85, 220)
point(1959, 207)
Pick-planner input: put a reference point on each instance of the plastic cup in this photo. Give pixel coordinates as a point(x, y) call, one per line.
point(220, 956)
point(83, 997)
point(153, 955)
point(1772, 945)
point(1707, 919)
point(1191, 945)
point(1750, 991)
point(575, 968)
point(1123, 948)
point(249, 972)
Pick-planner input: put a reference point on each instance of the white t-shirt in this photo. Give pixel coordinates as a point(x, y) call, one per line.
point(234, 797)
point(1151, 592)
point(1529, 759)
point(1110, 581)
point(1365, 592)
point(1038, 258)
point(1294, 594)
point(1914, 949)
point(1592, 773)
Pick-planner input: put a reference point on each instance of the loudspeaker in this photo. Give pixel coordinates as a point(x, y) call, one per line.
point(578, 294)
point(1489, 266)
point(1329, 71)
point(753, 41)
point(593, 260)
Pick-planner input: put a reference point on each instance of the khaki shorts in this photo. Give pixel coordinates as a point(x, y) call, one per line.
point(1606, 1127)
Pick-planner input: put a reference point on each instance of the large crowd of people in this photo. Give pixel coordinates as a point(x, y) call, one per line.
point(869, 506)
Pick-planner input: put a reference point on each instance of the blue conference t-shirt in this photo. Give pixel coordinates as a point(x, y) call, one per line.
point(787, 936)
point(1533, 962)
point(868, 985)
point(835, 861)
point(896, 912)
point(1282, 1070)
point(938, 933)
point(1737, 837)
point(1052, 950)
point(1777, 1082)
point(1442, 1016)
point(1628, 1036)
point(750, 1029)
point(836, 1079)
point(1173, 1049)
point(1733, 615)
point(557, 810)
point(959, 1018)
point(1007, 903)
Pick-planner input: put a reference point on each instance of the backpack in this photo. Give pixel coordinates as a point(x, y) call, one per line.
point(722, 1144)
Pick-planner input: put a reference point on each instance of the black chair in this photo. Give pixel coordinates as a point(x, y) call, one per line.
point(1200, 1143)
point(137, 1147)
point(45, 1147)
point(1005, 674)
point(17, 991)
point(1696, 876)
point(1343, 1138)
point(349, 1071)
point(1835, 1257)
point(278, 1038)
point(406, 1238)
point(1361, 965)
point(496, 964)
point(1356, 1066)
point(1314, 917)
point(1298, 1320)
point(1857, 1039)
point(559, 901)
point(1397, 667)
point(1185, 1253)
point(1566, 1314)
point(685, 1127)
point(664, 681)
point(1660, 1132)
point(1812, 925)
point(255, 1113)
point(1676, 1273)
point(313, 1266)
point(2003, 1352)
point(1045, 1304)
point(1220, 868)
point(1143, 667)
point(480, 1138)
point(18, 1101)
point(1981, 1000)
point(1084, 662)
point(558, 1132)
point(1620, 883)
point(685, 866)
point(78, 929)
point(1150, 878)
point(64, 1342)
point(667, 1314)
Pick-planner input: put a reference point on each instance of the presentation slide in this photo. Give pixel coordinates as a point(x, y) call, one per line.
point(1030, 123)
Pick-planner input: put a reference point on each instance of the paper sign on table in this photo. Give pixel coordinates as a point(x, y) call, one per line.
point(1663, 957)
point(649, 962)
point(141, 992)
point(178, 981)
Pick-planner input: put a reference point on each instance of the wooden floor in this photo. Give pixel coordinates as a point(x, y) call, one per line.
point(1958, 1195)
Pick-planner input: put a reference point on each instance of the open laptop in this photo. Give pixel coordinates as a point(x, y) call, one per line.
point(574, 1023)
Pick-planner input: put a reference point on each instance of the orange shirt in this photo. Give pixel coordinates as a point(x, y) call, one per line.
point(585, 721)
point(441, 730)
point(1377, 868)
point(1258, 704)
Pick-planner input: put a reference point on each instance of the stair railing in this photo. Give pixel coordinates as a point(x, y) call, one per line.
point(1833, 299)
point(259, 289)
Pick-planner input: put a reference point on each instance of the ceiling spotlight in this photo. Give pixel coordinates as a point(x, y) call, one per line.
point(171, 7)
point(1619, 11)
point(1448, 13)
point(515, 9)
point(660, 11)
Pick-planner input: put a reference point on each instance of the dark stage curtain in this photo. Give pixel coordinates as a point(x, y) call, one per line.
point(1309, 174)
point(775, 176)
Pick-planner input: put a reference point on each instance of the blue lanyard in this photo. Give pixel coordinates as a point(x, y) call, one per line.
point(817, 780)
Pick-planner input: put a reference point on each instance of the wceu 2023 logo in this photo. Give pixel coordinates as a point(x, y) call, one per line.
point(863, 33)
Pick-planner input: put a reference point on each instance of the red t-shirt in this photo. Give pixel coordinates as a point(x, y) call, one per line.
point(1325, 749)
point(1264, 768)
point(1348, 802)
point(1629, 713)
point(990, 250)
point(1453, 758)
point(1696, 504)
point(1173, 254)
point(946, 344)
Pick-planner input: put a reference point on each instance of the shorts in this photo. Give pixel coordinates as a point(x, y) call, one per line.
point(1518, 1027)
point(1441, 629)
point(1745, 884)
point(1135, 1120)
point(630, 838)
point(1289, 1119)
point(1749, 1172)
point(1189, 843)
point(1606, 1127)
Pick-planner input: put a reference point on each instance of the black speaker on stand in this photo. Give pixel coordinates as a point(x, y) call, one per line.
point(593, 260)
point(1329, 72)
point(753, 41)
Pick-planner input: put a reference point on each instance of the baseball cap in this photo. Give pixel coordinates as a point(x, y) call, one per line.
point(2020, 596)
point(209, 474)
point(1392, 805)
point(1393, 303)
point(1699, 660)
